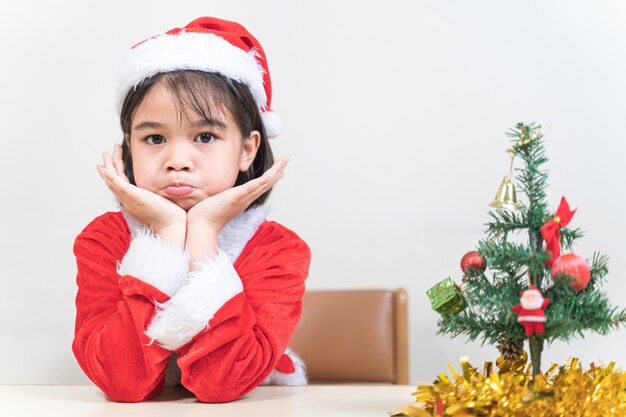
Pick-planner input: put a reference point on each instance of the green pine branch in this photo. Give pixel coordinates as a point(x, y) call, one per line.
point(532, 179)
point(505, 222)
point(569, 237)
point(571, 314)
point(599, 269)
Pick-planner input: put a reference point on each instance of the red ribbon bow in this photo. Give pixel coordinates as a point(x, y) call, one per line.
point(551, 230)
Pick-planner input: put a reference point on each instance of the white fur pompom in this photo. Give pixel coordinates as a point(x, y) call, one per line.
point(298, 377)
point(273, 124)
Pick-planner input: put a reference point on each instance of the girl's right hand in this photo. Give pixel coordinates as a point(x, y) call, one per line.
point(166, 219)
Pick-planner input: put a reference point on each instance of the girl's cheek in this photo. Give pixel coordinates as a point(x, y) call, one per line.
point(141, 178)
point(223, 183)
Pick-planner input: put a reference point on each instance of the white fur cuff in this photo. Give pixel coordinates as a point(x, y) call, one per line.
point(152, 260)
point(189, 311)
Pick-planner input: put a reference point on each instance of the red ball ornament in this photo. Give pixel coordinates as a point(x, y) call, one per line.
point(573, 265)
point(473, 260)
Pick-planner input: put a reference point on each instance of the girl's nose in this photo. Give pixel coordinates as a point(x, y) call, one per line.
point(178, 165)
point(179, 158)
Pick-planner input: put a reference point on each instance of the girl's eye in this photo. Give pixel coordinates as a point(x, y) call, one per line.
point(205, 138)
point(155, 140)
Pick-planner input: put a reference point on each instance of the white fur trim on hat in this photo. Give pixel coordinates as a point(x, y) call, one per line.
point(189, 311)
point(154, 261)
point(193, 51)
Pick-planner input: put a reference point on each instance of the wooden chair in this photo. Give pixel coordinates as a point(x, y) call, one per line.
point(354, 336)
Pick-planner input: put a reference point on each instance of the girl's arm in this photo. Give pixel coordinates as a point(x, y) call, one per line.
point(112, 313)
point(231, 324)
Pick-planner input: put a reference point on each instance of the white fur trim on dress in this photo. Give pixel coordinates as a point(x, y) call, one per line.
point(154, 261)
point(189, 311)
point(190, 50)
point(298, 377)
point(134, 226)
point(235, 234)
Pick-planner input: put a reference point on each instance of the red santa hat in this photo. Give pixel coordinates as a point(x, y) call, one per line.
point(206, 44)
point(531, 290)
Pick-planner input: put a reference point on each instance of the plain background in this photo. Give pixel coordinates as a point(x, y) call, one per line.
point(395, 114)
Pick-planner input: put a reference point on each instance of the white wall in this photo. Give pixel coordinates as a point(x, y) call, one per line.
point(395, 118)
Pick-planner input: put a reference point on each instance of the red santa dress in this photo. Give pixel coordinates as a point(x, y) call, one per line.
point(223, 328)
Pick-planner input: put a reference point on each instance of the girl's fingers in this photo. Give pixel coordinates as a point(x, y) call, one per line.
point(104, 172)
point(106, 176)
point(281, 165)
point(107, 162)
point(270, 176)
point(117, 161)
point(258, 186)
point(282, 161)
point(100, 170)
point(113, 166)
point(275, 173)
point(116, 184)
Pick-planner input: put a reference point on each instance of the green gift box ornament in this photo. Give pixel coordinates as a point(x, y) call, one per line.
point(446, 297)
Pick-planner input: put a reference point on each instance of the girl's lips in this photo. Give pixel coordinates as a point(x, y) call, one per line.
point(178, 190)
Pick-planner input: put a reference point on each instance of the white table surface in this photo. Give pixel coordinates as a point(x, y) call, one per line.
point(361, 400)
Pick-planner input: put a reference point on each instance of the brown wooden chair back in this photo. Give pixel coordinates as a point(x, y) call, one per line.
point(354, 336)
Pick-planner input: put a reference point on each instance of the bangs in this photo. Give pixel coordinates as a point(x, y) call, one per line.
point(199, 94)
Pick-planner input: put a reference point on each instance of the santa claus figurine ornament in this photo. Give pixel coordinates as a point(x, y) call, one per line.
point(530, 310)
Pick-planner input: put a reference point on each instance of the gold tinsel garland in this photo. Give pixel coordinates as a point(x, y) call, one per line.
point(562, 391)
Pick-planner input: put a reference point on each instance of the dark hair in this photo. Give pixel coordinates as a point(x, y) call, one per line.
point(200, 92)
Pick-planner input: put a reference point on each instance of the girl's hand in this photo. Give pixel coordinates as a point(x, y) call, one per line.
point(211, 214)
point(164, 217)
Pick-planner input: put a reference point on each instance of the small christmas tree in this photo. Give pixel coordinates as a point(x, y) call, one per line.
point(521, 252)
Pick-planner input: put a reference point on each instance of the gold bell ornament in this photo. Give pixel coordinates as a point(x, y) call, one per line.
point(506, 198)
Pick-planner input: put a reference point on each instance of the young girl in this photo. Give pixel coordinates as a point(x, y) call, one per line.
point(189, 272)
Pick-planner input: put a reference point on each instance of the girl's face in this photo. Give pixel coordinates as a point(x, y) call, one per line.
point(186, 159)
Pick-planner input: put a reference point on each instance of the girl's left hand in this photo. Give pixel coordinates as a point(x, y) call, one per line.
point(220, 208)
point(206, 219)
